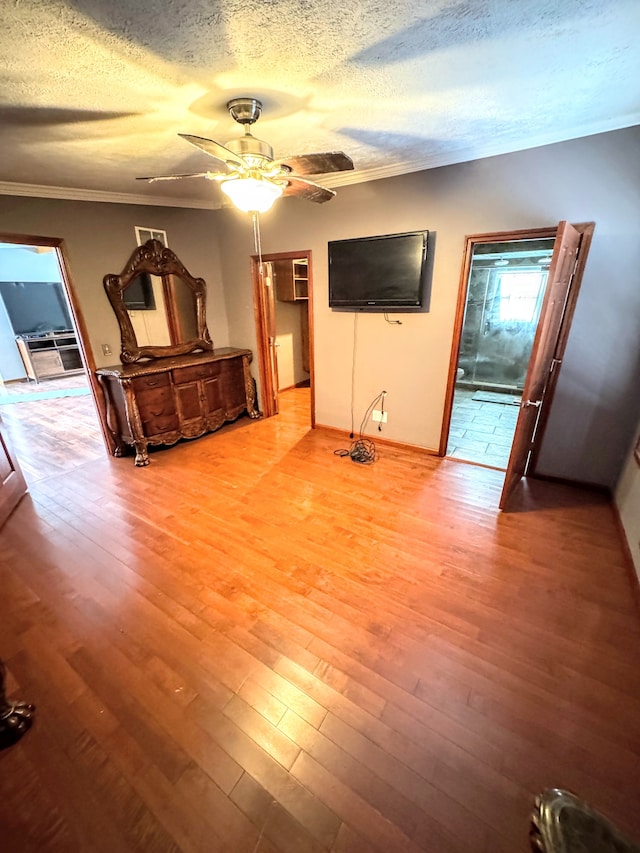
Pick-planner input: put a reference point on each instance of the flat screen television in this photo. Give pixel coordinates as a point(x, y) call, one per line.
point(378, 273)
point(36, 307)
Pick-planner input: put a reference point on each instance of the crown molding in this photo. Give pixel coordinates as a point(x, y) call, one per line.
point(337, 179)
point(477, 152)
point(77, 194)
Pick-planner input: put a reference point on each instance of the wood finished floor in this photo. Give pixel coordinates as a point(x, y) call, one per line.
point(52, 437)
point(256, 646)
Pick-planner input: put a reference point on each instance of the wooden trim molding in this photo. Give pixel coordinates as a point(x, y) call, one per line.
point(628, 556)
point(385, 442)
point(586, 230)
point(261, 315)
point(263, 320)
point(470, 241)
point(84, 346)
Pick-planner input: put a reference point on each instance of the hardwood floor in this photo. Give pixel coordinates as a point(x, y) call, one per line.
point(52, 436)
point(256, 645)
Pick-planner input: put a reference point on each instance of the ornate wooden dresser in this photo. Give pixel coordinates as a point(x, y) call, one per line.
point(163, 392)
point(184, 396)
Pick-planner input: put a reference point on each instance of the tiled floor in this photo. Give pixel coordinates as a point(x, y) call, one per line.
point(480, 431)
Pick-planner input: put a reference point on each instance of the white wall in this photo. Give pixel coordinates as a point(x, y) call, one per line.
point(596, 178)
point(289, 339)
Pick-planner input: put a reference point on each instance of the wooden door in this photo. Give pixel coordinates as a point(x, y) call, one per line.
point(262, 275)
point(12, 483)
point(273, 342)
point(543, 360)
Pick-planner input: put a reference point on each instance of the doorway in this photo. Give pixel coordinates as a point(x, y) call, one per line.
point(47, 394)
point(527, 299)
point(506, 286)
point(283, 300)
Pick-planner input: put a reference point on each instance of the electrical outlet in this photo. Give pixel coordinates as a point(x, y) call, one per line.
point(379, 416)
point(106, 349)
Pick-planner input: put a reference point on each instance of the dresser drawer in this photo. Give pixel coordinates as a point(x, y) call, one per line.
point(156, 400)
point(156, 425)
point(155, 380)
point(157, 410)
point(208, 370)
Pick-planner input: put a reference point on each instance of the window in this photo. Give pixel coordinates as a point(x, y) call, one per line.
point(143, 234)
point(520, 296)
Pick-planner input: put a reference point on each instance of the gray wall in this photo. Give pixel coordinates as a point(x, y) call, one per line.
point(596, 178)
point(99, 239)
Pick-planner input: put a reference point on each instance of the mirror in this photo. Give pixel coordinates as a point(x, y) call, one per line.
point(160, 307)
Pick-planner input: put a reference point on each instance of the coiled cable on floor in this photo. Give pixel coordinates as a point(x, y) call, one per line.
point(363, 450)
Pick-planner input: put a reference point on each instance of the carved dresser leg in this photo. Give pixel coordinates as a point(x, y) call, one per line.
point(250, 389)
point(15, 717)
point(142, 456)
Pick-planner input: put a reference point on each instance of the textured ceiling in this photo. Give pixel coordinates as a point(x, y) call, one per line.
point(94, 92)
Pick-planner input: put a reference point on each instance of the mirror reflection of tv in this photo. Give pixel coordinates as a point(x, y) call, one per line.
point(138, 294)
point(384, 273)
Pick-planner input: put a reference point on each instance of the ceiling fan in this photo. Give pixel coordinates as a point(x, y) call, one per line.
point(248, 173)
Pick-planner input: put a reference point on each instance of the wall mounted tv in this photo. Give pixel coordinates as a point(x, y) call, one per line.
point(138, 294)
point(385, 273)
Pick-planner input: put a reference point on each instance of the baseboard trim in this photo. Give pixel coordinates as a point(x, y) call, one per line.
point(385, 442)
point(564, 481)
point(304, 384)
point(628, 556)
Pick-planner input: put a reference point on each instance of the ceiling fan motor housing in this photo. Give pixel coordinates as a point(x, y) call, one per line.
point(249, 145)
point(245, 110)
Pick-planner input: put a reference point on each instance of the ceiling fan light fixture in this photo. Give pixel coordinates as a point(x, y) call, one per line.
point(251, 195)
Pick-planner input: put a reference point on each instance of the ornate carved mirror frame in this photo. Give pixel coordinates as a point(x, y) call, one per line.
point(155, 259)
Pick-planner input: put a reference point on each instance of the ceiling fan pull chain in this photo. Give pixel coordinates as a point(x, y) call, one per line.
point(256, 235)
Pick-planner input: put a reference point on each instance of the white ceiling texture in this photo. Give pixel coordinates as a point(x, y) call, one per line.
point(94, 92)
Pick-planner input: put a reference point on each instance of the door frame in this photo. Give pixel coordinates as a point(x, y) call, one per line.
point(264, 321)
point(12, 483)
point(586, 230)
point(86, 353)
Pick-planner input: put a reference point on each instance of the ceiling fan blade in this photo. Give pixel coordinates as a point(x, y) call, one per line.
point(210, 175)
point(303, 188)
point(317, 164)
point(227, 158)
